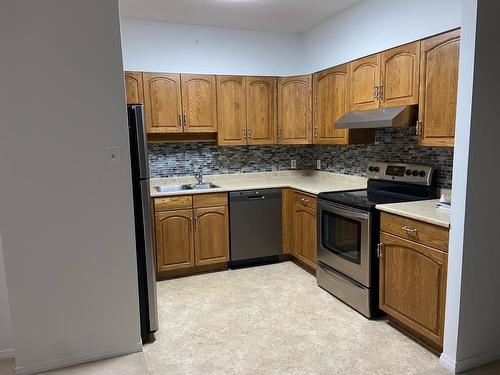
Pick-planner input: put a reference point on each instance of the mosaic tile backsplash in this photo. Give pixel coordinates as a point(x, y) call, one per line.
point(391, 145)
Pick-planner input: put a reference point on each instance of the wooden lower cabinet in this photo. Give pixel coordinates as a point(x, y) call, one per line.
point(174, 240)
point(192, 231)
point(413, 287)
point(304, 234)
point(211, 235)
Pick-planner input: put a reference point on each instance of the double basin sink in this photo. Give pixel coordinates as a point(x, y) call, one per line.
point(170, 188)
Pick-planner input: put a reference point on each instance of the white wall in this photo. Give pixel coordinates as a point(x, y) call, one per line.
point(376, 25)
point(472, 332)
point(6, 341)
point(168, 47)
point(66, 215)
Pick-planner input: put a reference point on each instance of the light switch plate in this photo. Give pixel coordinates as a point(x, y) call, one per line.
point(113, 153)
point(293, 164)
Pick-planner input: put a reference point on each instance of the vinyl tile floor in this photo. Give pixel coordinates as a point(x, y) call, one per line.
point(270, 319)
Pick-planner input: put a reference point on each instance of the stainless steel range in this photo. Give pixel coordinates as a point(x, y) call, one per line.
point(349, 226)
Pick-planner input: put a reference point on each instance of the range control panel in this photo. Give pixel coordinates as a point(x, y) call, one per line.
point(401, 172)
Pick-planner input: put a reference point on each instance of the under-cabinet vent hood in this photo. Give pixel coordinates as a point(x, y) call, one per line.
point(395, 117)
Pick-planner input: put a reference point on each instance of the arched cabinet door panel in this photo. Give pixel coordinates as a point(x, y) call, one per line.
point(134, 88)
point(438, 89)
point(399, 75)
point(295, 110)
point(231, 111)
point(174, 240)
point(413, 285)
point(162, 104)
point(211, 235)
point(199, 103)
point(364, 80)
point(261, 110)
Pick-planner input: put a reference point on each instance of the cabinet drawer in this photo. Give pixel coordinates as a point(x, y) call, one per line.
point(305, 200)
point(210, 200)
point(173, 203)
point(415, 230)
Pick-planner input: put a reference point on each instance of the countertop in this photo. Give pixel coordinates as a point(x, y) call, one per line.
point(420, 210)
point(313, 182)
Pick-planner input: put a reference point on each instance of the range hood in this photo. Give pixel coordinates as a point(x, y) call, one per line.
point(395, 117)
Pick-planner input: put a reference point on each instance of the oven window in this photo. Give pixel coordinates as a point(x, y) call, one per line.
point(342, 236)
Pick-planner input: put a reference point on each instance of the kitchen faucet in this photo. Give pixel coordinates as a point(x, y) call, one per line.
point(199, 177)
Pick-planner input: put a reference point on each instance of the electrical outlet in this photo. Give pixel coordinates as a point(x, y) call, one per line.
point(113, 155)
point(293, 164)
point(318, 164)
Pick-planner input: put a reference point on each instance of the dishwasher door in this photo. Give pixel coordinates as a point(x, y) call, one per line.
point(255, 226)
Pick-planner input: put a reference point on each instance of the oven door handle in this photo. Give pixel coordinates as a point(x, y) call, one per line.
point(344, 212)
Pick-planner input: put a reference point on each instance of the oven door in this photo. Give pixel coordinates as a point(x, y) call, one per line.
point(344, 240)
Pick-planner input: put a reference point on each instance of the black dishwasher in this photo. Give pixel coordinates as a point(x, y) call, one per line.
point(255, 226)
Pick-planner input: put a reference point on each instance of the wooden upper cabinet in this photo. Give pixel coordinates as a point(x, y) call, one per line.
point(211, 235)
point(399, 75)
point(364, 79)
point(163, 108)
point(174, 240)
point(295, 110)
point(330, 103)
point(261, 110)
point(199, 103)
point(134, 88)
point(438, 89)
point(231, 111)
point(413, 285)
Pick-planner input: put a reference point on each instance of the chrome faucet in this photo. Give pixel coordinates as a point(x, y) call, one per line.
point(199, 177)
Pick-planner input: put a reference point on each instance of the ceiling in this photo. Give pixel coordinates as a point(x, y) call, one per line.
point(266, 15)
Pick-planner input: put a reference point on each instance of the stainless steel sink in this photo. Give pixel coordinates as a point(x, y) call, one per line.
point(169, 188)
point(207, 185)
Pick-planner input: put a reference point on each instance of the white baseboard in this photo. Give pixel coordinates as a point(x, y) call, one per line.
point(77, 360)
point(5, 354)
point(470, 363)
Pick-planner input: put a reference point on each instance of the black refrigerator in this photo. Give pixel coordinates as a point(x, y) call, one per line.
point(143, 222)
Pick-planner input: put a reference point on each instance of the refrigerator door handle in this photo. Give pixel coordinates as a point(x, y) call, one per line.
point(149, 256)
point(141, 139)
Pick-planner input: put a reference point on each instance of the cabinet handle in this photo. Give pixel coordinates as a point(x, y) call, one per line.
point(418, 128)
point(316, 131)
point(306, 201)
point(408, 229)
point(280, 133)
point(381, 93)
point(249, 132)
point(245, 133)
point(195, 222)
point(184, 120)
point(375, 92)
point(380, 248)
point(180, 121)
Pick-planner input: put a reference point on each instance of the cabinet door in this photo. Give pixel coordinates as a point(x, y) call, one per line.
point(364, 78)
point(174, 240)
point(199, 103)
point(399, 75)
point(211, 235)
point(304, 220)
point(438, 89)
point(330, 103)
point(162, 94)
point(134, 88)
point(413, 285)
point(261, 110)
point(231, 111)
point(295, 110)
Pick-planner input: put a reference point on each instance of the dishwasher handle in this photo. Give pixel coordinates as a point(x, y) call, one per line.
point(256, 197)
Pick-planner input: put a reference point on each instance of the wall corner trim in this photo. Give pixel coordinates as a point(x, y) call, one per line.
point(6, 354)
point(76, 360)
point(469, 363)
